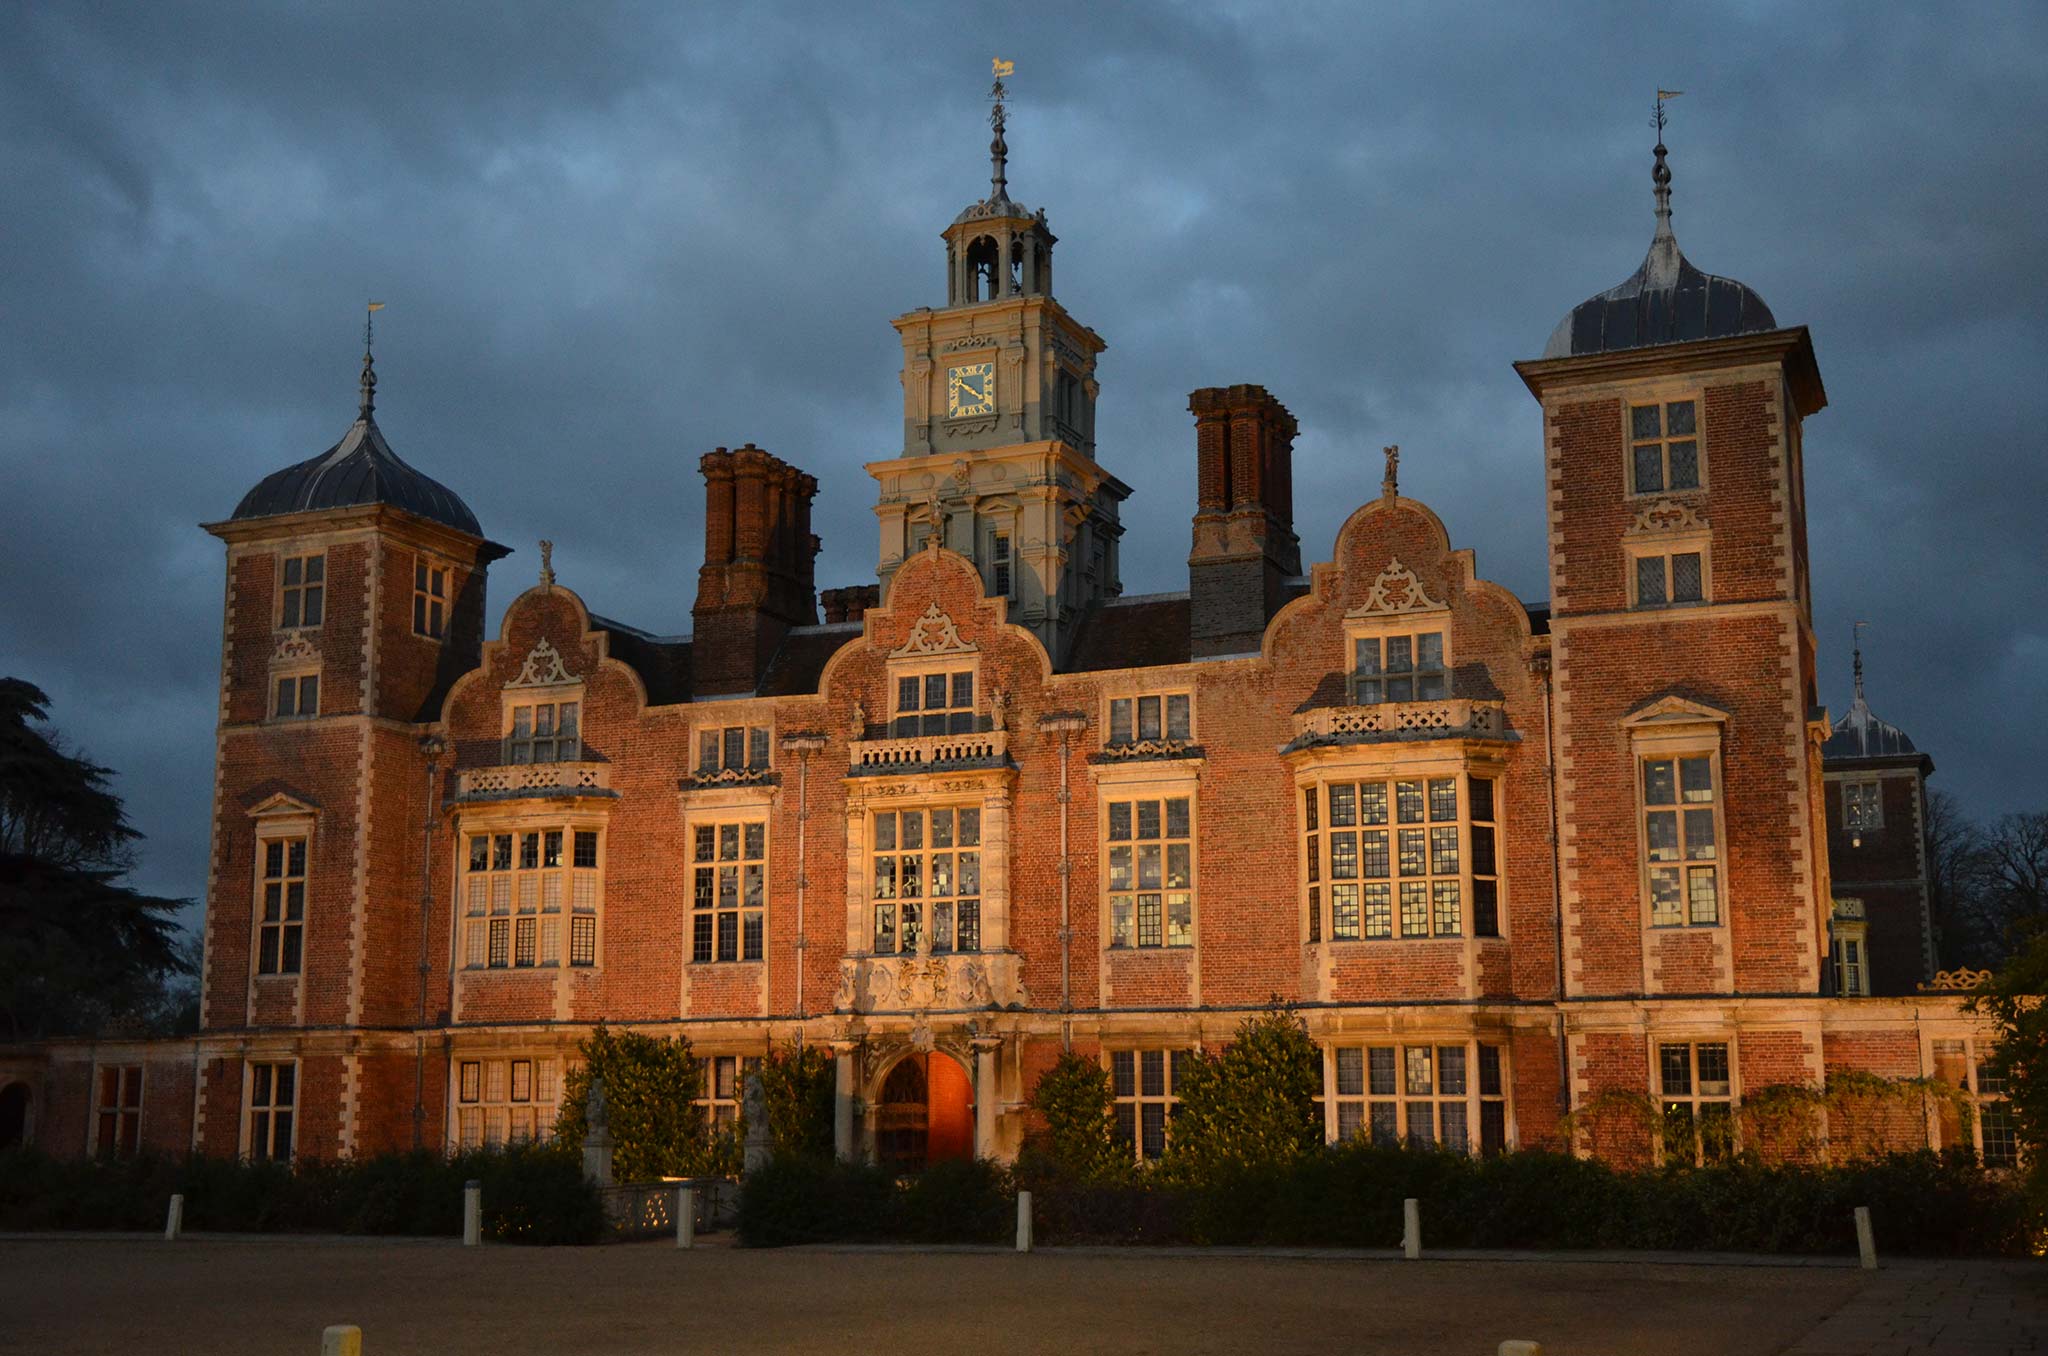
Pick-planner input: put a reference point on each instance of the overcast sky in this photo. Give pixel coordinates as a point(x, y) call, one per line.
point(611, 237)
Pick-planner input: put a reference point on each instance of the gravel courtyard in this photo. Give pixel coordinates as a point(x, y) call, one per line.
point(226, 1296)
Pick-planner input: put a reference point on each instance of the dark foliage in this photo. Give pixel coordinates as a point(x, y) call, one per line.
point(80, 952)
point(651, 1087)
point(811, 1200)
point(797, 1086)
point(531, 1194)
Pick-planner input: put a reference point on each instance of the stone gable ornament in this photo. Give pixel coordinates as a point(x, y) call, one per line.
point(547, 564)
point(999, 709)
point(295, 646)
point(1397, 590)
point(933, 633)
point(543, 667)
point(1390, 483)
point(1667, 515)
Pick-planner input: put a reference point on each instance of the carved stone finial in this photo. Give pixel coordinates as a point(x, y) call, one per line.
point(547, 564)
point(1390, 484)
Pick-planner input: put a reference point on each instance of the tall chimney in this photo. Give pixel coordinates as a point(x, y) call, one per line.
point(759, 567)
point(1244, 549)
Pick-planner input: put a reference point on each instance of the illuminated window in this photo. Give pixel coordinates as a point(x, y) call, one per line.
point(1144, 1084)
point(1964, 1065)
point(1862, 805)
point(429, 598)
point(1399, 668)
point(516, 889)
point(1664, 447)
point(934, 703)
point(117, 1111)
point(1697, 1098)
point(505, 1101)
point(281, 906)
point(1679, 836)
point(728, 890)
point(1427, 1095)
point(926, 859)
point(302, 591)
point(544, 732)
point(273, 1097)
point(1401, 858)
point(1149, 860)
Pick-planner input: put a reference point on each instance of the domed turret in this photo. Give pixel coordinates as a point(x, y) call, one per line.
point(360, 469)
point(1860, 734)
point(1666, 301)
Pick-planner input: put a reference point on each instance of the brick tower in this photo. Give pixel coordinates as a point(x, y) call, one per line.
point(355, 597)
point(1681, 642)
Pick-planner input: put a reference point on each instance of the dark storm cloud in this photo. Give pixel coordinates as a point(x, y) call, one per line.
point(613, 237)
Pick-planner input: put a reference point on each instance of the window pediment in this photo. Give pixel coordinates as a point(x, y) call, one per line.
point(1672, 712)
point(283, 806)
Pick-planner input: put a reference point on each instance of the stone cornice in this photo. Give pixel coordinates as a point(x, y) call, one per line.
point(1791, 349)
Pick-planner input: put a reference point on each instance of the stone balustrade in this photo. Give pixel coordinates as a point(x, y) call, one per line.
point(533, 779)
point(1446, 718)
point(920, 752)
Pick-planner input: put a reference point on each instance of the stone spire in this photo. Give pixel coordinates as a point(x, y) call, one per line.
point(1661, 268)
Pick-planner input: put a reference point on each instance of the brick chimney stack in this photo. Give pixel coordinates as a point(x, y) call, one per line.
point(849, 604)
point(1245, 549)
point(760, 557)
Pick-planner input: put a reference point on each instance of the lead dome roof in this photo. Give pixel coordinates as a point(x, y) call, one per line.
point(360, 469)
point(1666, 301)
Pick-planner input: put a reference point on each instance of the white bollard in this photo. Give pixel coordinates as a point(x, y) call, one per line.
point(1023, 1221)
point(174, 1218)
point(1520, 1346)
point(343, 1339)
point(1866, 1241)
point(686, 1217)
point(472, 1214)
point(1411, 1228)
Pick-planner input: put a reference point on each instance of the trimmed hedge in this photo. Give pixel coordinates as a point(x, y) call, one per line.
point(810, 1200)
point(531, 1194)
point(1350, 1195)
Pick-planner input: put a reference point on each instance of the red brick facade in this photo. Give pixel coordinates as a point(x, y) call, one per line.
point(468, 899)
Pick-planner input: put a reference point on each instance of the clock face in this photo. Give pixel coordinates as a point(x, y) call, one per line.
point(970, 389)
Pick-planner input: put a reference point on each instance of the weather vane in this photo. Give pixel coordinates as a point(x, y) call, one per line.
point(998, 149)
point(1658, 121)
point(368, 383)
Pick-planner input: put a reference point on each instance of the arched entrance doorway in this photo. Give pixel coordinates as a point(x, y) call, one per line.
point(925, 1113)
point(13, 1115)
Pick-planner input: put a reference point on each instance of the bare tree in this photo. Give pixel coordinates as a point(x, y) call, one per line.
point(2015, 870)
point(1966, 933)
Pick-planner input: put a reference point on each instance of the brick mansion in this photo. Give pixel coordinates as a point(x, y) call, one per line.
point(1502, 857)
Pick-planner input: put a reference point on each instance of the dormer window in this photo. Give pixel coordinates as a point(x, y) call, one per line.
point(934, 704)
point(1399, 668)
point(1134, 720)
point(302, 591)
point(544, 732)
point(732, 748)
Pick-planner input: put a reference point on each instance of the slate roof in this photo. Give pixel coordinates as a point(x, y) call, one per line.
point(360, 469)
point(1143, 631)
point(663, 662)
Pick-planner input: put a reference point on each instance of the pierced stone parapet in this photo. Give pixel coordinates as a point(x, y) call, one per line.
point(1448, 718)
point(920, 753)
point(534, 779)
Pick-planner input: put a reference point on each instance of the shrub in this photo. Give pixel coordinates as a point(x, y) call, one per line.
point(802, 1199)
point(1079, 1141)
point(1253, 1106)
point(531, 1194)
point(651, 1087)
point(797, 1086)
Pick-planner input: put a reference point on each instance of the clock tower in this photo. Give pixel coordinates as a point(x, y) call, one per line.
point(999, 391)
